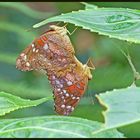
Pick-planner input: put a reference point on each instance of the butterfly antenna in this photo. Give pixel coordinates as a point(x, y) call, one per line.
point(65, 25)
point(73, 31)
point(70, 33)
point(58, 23)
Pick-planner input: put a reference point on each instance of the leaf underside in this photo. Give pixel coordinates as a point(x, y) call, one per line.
point(9, 102)
point(120, 23)
point(123, 106)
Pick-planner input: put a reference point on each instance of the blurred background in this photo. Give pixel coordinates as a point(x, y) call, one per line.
point(112, 69)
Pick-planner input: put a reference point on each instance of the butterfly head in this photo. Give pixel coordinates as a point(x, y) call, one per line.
point(60, 30)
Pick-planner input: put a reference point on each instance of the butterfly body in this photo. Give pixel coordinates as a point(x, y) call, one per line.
point(53, 54)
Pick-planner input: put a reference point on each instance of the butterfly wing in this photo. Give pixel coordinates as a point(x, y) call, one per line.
point(53, 54)
point(67, 91)
point(46, 52)
point(23, 61)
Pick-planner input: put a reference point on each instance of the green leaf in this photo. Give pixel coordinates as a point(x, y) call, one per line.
point(26, 91)
point(111, 133)
point(123, 106)
point(52, 127)
point(117, 23)
point(9, 102)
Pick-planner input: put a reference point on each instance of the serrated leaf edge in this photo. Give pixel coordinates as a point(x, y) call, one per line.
point(104, 112)
point(84, 27)
point(20, 107)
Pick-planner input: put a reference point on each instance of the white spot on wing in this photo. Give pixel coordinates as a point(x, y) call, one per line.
point(46, 47)
point(27, 64)
point(62, 97)
point(58, 89)
point(78, 98)
point(68, 107)
point(22, 54)
point(72, 108)
point(33, 49)
point(63, 106)
point(61, 85)
point(67, 94)
point(73, 98)
point(33, 45)
point(53, 77)
point(57, 82)
point(37, 50)
point(25, 57)
point(64, 91)
point(69, 83)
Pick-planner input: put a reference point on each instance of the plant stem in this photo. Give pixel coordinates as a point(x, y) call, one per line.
point(135, 73)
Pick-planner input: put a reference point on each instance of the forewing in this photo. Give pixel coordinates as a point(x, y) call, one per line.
point(46, 52)
point(23, 61)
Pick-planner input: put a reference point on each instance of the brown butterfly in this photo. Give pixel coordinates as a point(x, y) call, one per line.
point(53, 54)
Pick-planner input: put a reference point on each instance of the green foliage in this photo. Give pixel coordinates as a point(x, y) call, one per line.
point(53, 126)
point(116, 116)
point(9, 102)
point(23, 89)
point(118, 23)
point(120, 107)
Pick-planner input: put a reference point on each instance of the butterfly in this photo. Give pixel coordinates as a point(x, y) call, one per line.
point(53, 53)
